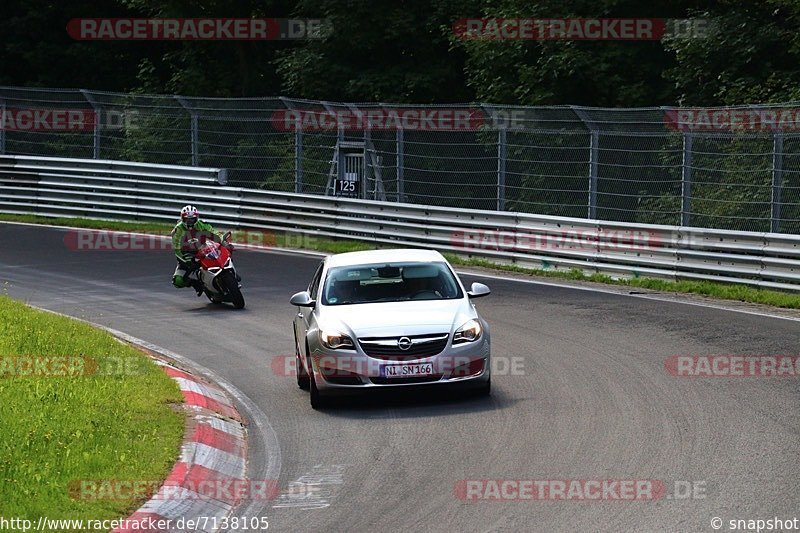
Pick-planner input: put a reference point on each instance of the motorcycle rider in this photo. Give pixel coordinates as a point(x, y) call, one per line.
point(191, 227)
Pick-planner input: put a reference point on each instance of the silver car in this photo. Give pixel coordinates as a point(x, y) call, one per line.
point(389, 318)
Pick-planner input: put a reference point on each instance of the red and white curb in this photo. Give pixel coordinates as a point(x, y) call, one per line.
point(214, 453)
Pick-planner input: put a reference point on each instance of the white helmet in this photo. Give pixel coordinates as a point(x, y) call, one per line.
point(189, 215)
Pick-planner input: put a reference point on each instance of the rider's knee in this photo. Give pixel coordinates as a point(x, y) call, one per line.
point(178, 281)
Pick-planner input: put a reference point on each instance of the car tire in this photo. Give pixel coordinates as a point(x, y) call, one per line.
point(303, 380)
point(485, 389)
point(317, 400)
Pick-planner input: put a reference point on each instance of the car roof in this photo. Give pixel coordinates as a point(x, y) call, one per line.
point(400, 255)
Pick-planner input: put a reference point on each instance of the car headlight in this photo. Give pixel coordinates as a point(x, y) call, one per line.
point(470, 331)
point(335, 340)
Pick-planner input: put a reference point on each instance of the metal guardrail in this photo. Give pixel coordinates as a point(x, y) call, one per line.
point(734, 168)
point(146, 192)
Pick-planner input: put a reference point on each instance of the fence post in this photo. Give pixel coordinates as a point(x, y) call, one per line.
point(401, 192)
point(194, 133)
point(96, 141)
point(594, 158)
point(298, 158)
point(777, 182)
point(366, 174)
point(686, 180)
point(340, 154)
point(3, 126)
point(298, 146)
point(501, 168)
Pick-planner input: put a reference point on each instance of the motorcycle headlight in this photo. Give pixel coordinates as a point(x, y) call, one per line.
point(335, 340)
point(470, 331)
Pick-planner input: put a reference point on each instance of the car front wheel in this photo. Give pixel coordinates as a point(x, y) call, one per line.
point(317, 400)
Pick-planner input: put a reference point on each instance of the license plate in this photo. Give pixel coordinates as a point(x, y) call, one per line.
point(407, 371)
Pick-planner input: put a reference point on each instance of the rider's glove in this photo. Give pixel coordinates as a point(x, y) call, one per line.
point(189, 262)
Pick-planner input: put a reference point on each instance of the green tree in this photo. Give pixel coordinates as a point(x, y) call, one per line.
point(37, 51)
point(213, 68)
point(380, 51)
point(751, 55)
point(594, 73)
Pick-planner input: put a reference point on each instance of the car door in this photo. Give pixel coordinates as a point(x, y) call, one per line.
point(303, 317)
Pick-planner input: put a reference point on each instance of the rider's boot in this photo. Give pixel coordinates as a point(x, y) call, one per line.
point(197, 285)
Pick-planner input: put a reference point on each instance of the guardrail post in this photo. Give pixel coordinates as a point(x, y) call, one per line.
point(401, 187)
point(195, 130)
point(777, 182)
point(501, 168)
point(686, 180)
point(97, 118)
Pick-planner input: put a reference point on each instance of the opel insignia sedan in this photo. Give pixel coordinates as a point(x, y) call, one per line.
point(389, 318)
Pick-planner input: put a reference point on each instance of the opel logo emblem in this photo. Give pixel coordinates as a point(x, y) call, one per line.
point(404, 343)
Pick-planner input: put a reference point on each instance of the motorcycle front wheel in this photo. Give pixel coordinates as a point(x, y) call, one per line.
point(231, 287)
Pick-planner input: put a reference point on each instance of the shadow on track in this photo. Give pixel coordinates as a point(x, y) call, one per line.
point(211, 308)
point(415, 404)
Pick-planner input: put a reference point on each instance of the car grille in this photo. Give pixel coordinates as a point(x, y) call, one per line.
point(421, 346)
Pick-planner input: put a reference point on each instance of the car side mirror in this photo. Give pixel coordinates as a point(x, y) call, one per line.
point(477, 290)
point(302, 299)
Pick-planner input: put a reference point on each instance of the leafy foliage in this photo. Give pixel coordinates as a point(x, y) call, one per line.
point(407, 52)
point(750, 56)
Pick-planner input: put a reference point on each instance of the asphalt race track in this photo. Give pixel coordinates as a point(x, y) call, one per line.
point(589, 399)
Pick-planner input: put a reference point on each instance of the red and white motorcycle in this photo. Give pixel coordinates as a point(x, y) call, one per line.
point(216, 271)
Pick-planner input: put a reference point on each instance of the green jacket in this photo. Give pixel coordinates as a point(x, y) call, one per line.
point(181, 234)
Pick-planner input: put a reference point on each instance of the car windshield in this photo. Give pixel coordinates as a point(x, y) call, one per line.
point(389, 282)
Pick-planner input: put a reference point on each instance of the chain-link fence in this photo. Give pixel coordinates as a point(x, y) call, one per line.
point(726, 168)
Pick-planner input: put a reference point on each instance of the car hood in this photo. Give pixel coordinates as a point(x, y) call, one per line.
point(391, 319)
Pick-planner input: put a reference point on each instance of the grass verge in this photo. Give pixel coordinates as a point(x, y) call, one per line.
point(98, 410)
point(724, 291)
